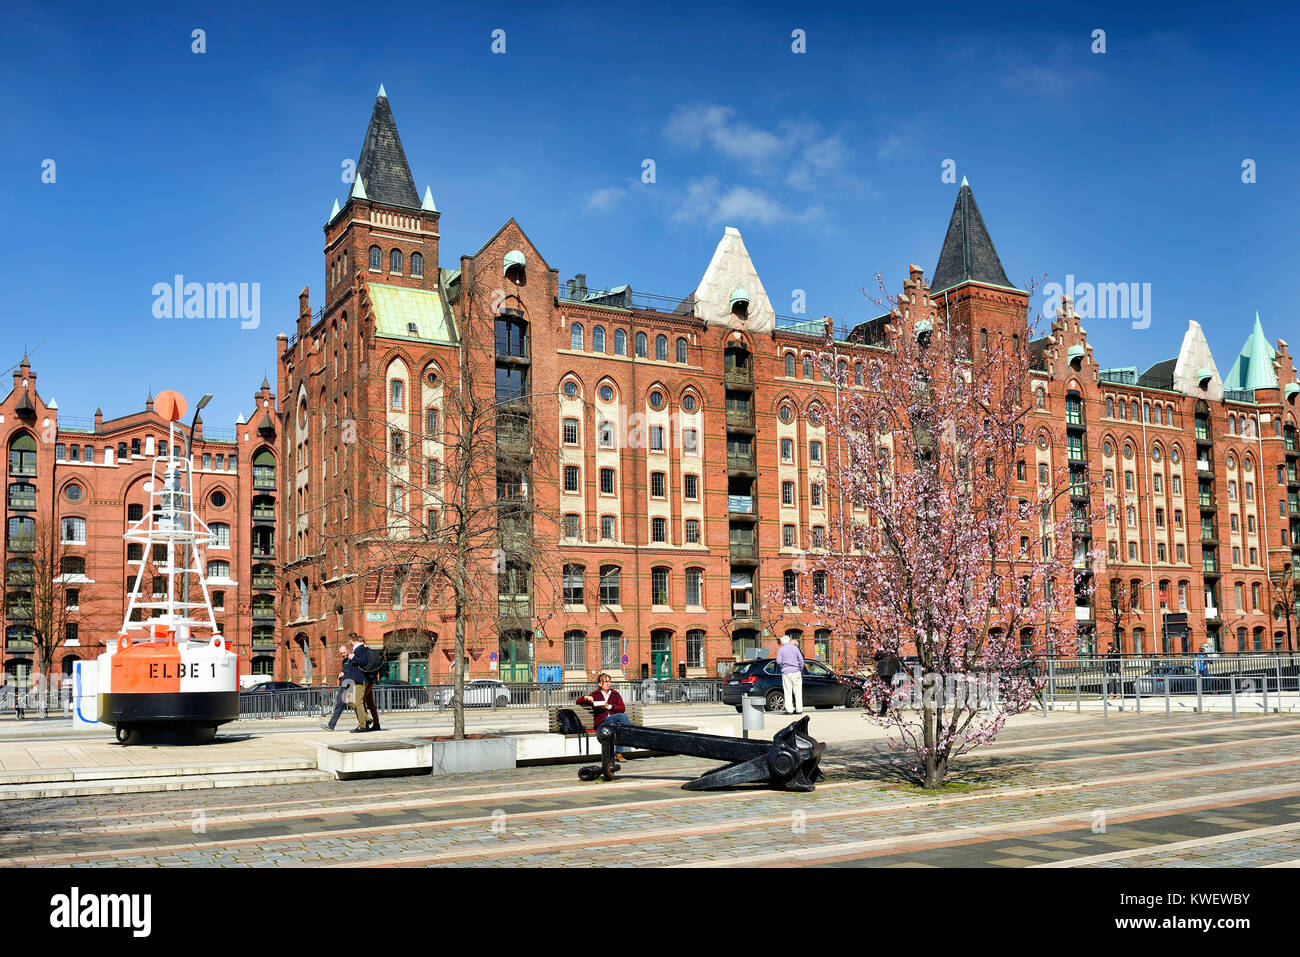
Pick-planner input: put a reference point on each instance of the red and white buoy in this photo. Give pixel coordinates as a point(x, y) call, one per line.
point(171, 670)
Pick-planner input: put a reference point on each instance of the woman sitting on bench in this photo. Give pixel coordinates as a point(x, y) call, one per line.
point(606, 705)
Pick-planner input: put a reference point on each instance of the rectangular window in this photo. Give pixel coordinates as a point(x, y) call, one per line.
point(690, 441)
point(575, 651)
point(787, 450)
point(691, 487)
point(74, 531)
point(573, 585)
point(607, 528)
point(570, 431)
point(571, 478)
point(1155, 482)
point(1180, 552)
point(695, 649)
point(787, 493)
point(659, 530)
point(694, 587)
point(656, 438)
point(815, 452)
point(572, 525)
point(397, 386)
point(609, 585)
point(431, 423)
point(431, 471)
point(818, 537)
point(659, 586)
point(1178, 485)
point(1128, 481)
point(1110, 478)
point(693, 531)
point(815, 495)
point(657, 485)
point(787, 536)
point(607, 481)
point(606, 430)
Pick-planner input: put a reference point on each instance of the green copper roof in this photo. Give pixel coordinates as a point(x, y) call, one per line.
point(1254, 366)
point(398, 308)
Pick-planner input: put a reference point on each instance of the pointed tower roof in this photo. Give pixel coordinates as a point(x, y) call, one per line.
point(428, 201)
point(967, 253)
point(333, 212)
point(1254, 366)
point(382, 163)
point(732, 272)
point(1195, 365)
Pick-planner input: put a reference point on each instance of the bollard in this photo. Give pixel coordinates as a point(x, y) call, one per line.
point(1234, 695)
point(1078, 700)
point(1199, 704)
point(1167, 684)
point(1264, 683)
point(1105, 695)
point(1278, 663)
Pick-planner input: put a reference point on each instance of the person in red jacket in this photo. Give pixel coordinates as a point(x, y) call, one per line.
point(606, 705)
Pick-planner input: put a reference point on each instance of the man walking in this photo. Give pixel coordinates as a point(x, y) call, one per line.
point(352, 682)
point(371, 667)
point(790, 661)
point(887, 666)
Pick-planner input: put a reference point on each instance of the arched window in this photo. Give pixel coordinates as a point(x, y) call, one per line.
point(857, 374)
point(1040, 399)
point(641, 344)
point(1110, 407)
point(681, 351)
point(395, 261)
point(807, 366)
point(22, 455)
point(376, 258)
point(576, 337)
point(1123, 409)
point(598, 339)
point(417, 264)
point(620, 342)
point(661, 348)
point(842, 369)
point(573, 585)
point(609, 584)
point(789, 365)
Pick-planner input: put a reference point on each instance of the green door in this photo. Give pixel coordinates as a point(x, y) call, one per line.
point(512, 657)
point(392, 670)
point(661, 664)
point(419, 672)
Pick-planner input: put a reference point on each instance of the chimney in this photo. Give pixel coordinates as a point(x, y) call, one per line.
point(99, 420)
point(580, 278)
point(304, 313)
point(572, 286)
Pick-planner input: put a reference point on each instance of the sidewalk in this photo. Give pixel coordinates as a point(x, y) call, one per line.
point(55, 751)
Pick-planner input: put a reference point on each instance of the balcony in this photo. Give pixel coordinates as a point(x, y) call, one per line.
point(1203, 465)
point(264, 513)
point(743, 611)
point(1210, 566)
point(1211, 611)
point(20, 645)
point(22, 543)
point(743, 551)
point(515, 607)
point(263, 644)
point(741, 418)
point(264, 477)
point(738, 377)
point(264, 581)
point(740, 462)
point(1082, 613)
point(263, 612)
point(740, 505)
point(22, 499)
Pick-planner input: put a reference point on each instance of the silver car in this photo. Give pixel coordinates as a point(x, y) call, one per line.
point(479, 693)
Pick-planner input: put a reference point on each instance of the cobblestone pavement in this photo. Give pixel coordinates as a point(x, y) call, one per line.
point(1137, 791)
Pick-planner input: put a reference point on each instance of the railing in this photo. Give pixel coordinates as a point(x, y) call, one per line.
point(263, 581)
point(737, 375)
point(22, 543)
point(220, 435)
point(1239, 395)
point(263, 612)
point(744, 463)
point(263, 477)
point(498, 696)
point(22, 500)
point(740, 418)
point(743, 550)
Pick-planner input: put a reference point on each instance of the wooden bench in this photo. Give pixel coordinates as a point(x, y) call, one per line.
point(587, 717)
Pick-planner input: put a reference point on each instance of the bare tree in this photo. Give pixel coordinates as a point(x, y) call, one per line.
point(40, 597)
point(445, 513)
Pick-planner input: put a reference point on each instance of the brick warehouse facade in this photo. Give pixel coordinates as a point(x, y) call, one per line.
point(686, 461)
point(82, 480)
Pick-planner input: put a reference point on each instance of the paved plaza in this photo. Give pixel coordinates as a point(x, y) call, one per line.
point(1076, 791)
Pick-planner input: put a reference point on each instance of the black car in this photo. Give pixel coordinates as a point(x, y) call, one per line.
point(822, 688)
point(273, 697)
point(266, 687)
point(397, 695)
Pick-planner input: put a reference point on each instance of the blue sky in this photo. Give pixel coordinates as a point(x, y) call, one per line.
point(222, 166)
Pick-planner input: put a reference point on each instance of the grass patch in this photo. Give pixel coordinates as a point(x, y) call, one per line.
point(948, 787)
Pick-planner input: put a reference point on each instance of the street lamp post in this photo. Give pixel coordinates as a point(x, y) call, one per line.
point(189, 471)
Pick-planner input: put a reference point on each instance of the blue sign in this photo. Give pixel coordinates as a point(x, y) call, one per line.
point(550, 674)
point(492, 657)
point(625, 659)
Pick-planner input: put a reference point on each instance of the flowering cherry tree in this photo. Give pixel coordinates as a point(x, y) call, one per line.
point(946, 546)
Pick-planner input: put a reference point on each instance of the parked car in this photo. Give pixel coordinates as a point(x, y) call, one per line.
point(266, 687)
point(1181, 679)
point(395, 695)
point(822, 688)
point(479, 693)
point(672, 690)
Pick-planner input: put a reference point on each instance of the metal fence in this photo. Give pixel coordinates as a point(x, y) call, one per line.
point(1154, 682)
point(493, 696)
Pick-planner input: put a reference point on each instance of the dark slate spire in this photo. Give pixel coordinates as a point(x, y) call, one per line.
point(968, 252)
point(382, 168)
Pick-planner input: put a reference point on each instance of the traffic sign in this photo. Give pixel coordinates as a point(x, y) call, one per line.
point(492, 657)
point(625, 659)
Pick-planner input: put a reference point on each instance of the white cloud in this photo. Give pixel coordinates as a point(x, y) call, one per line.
point(819, 161)
point(716, 125)
point(1036, 79)
point(603, 200)
point(706, 200)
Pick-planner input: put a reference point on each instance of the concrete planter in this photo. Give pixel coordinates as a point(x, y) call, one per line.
point(473, 754)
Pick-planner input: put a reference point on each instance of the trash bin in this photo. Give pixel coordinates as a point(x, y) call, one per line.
point(751, 710)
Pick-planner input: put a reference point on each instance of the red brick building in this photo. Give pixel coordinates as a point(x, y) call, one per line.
point(81, 480)
point(688, 459)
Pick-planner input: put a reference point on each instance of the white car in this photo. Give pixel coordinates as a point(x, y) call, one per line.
point(479, 693)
